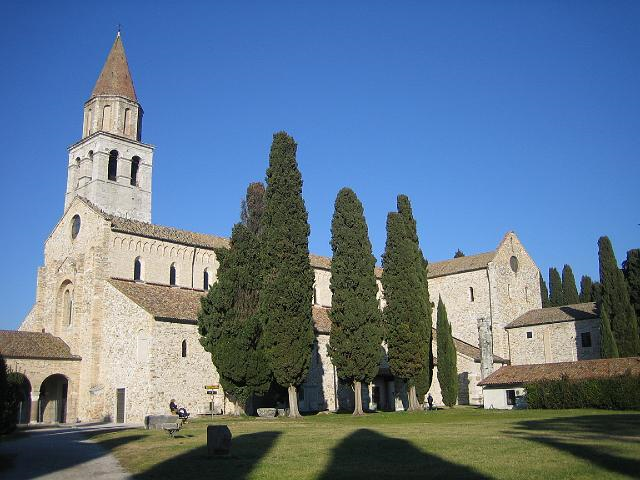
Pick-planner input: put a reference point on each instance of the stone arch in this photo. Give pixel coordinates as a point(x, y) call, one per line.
point(146, 247)
point(52, 402)
point(138, 246)
point(23, 396)
point(173, 252)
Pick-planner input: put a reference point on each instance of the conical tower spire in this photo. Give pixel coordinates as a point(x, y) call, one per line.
point(115, 78)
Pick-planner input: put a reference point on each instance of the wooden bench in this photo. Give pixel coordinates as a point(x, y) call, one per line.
point(171, 428)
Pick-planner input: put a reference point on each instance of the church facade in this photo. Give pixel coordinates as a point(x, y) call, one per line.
point(112, 333)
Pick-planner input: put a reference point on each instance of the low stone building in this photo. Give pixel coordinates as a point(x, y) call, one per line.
point(555, 334)
point(119, 294)
point(504, 388)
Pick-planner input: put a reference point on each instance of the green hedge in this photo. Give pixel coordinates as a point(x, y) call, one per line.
point(616, 393)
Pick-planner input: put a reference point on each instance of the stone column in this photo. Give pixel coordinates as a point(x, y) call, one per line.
point(35, 397)
point(486, 346)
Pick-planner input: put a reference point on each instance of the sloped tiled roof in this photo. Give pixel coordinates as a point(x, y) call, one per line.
point(115, 77)
point(566, 313)
point(580, 370)
point(20, 344)
point(459, 265)
point(162, 301)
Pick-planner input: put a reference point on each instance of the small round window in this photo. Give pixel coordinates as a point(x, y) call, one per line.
point(514, 264)
point(75, 226)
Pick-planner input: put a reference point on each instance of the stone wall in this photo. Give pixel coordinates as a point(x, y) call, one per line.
point(554, 342)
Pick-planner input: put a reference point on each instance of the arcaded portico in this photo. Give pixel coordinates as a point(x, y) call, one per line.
point(48, 373)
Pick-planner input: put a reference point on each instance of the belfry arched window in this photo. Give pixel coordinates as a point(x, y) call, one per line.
point(106, 118)
point(112, 173)
point(205, 280)
point(172, 274)
point(137, 269)
point(135, 165)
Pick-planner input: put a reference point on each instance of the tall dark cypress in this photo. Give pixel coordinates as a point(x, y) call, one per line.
point(608, 347)
point(229, 323)
point(631, 268)
point(586, 287)
point(459, 253)
point(544, 293)
point(555, 284)
point(403, 317)
point(285, 304)
point(569, 290)
point(596, 292)
point(420, 384)
point(356, 329)
point(446, 357)
point(616, 303)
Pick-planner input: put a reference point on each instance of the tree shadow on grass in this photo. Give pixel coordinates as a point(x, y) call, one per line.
point(369, 454)
point(568, 434)
point(246, 452)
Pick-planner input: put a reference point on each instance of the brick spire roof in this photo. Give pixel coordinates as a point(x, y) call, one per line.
point(115, 78)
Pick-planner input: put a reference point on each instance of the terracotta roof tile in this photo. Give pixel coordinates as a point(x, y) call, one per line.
point(580, 370)
point(459, 265)
point(21, 344)
point(115, 78)
point(566, 313)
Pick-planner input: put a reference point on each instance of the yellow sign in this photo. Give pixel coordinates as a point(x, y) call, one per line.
point(211, 387)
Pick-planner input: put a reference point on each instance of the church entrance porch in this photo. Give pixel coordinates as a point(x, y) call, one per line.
point(52, 404)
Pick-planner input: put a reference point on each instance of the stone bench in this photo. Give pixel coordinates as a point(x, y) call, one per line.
point(170, 428)
point(154, 422)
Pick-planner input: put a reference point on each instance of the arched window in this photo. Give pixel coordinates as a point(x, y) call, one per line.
point(127, 122)
point(135, 165)
point(315, 295)
point(184, 348)
point(113, 165)
point(206, 280)
point(137, 269)
point(106, 118)
point(172, 274)
point(87, 123)
point(67, 302)
point(471, 296)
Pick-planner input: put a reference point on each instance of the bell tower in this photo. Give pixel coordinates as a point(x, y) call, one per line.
point(110, 166)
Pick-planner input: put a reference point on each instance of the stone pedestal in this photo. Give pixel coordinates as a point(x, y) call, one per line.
point(267, 412)
point(218, 440)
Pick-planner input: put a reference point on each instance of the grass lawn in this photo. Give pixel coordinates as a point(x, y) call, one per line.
point(458, 443)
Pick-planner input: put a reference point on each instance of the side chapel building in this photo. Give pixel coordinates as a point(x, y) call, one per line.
point(112, 333)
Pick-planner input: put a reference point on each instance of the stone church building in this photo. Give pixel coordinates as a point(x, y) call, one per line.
point(112, 333)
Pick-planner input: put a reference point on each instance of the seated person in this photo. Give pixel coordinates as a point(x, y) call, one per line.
point(172, 406)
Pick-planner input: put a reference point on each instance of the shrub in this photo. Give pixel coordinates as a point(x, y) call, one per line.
point(615, 393)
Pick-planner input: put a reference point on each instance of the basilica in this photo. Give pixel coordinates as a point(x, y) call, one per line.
point(112, 333)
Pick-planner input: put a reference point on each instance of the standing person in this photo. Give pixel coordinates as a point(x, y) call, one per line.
point(430, 401)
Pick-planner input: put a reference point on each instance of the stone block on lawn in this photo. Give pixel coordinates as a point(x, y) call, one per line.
point(267, 412)
point(218, 440)
point(154, 422)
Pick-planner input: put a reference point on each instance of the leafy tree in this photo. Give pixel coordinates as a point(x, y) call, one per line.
point(458, 254)
point(419, 385)
point(544, 293)
point(615, 301)
point(608, 347)
point(285, 303)
point(569, 290)
point(8, 400)
point(356, 330)
point(555, 297)
point(229, 323)
point(631, 269)
point(447, 367)
point(586, 287)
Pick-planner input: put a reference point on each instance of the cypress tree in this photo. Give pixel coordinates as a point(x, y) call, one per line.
point(608, 347)
point(555, 283)
point(285, 304)
point(229, 323)
point(616, 303)
point(446, 355)
point(419, 385)
point(569, 290)
point(459, 253)
point(631, 268)
point(403, 320)
point(596, 292)
point(586, 286)
point(356, 330)
point(544, 292)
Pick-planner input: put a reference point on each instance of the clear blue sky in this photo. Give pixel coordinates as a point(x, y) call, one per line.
point(491, 116)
